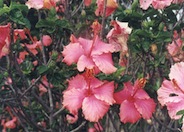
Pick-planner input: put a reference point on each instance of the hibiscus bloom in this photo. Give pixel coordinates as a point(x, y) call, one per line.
point(90, 94)
point(87, 2)
point(110, 7)
point(177, 1)
point(134, 100)
point(171, 93)
point(19, 33)
point(4, 40)
point(118, 36)
point(161, 4)
point(39, 4)
point(157, 4)
point(90, 54)
point(175, 48)
point(144, 4)
point(11, 124)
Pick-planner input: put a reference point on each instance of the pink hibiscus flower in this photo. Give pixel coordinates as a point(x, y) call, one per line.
point(11, 124)
point(90, 54)
point(110, 7)
point(175, 48)
point(144, 4)
point(19, 33)
point(39, 4)
point(87, 2)
point(177, 1)
point(134, 100)
point(4, 40)
point(90, 94)
point(171, 93)
point(118, 36)
point(161, 4)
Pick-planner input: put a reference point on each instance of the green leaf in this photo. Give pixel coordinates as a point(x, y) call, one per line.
point(45, 23)
point(142, 33)
point(125, 78)
point(63, 23)
point(135, 4)
point(181, 112)
point(4, 10)
point(55, 78)
point(181, 120)
point(1, 3)
point(42, 69)
point(21, 7)
point(119, 71)
point(17, 17)
point(146, 45)
point(27, 67)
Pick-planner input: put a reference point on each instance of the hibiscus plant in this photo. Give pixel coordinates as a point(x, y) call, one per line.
point(91, 65)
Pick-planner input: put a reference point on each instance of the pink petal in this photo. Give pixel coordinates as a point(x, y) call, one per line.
point(46, 40)
point(72, 52)
point(10, 124)
point(141, 94)
point(161, 4)
point(87, 2)
point(128, 112)
point(144, 4)
point(94, 109)
point(122, 95)
point(73, 98)
point(177, 73)
point(77, 82)
point(174, 47)
point(71, 119)
point(145, 107)
point(173, 108)
point(94, 82)
point(37, 4)
point(85, 62)
point(86, 45)
point(169, 94)
point(19, 33)
point(100, 47)
point(104, 63)
point(105, 92)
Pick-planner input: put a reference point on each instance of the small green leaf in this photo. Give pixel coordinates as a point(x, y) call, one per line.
point(1, 3)
point(181, 112)
point(125, 78)
point(21, 7)
point(27, 67)
point(4, 10)
point(42, 69)
point(17, 17)
point(45, 24)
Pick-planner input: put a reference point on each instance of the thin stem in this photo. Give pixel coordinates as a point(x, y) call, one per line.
point(58, 112)
point(75, 11)
point(103, 19)
point(79, 127)
point(43, 49)
point(166, 126)
point(30, 87)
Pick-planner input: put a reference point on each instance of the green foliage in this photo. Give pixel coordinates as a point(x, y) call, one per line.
point(35, 100)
